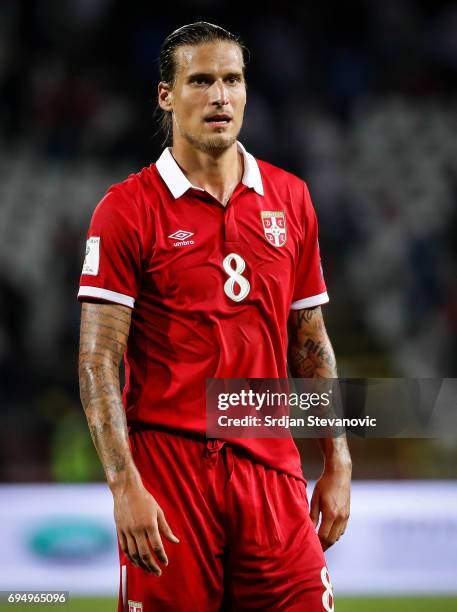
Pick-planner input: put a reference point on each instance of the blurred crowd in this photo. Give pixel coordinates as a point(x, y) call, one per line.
point(359, 99)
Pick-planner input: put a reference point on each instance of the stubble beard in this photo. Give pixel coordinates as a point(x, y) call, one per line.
point(213, 145)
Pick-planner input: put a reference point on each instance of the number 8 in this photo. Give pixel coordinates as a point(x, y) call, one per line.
point(327, 596)
point(235, 277)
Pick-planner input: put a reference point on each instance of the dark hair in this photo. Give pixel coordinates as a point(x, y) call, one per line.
point(197, 33)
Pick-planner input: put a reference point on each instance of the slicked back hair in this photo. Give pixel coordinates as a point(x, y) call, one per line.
point(197, 33)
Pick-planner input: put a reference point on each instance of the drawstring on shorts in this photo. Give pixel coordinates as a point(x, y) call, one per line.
point(214, 446)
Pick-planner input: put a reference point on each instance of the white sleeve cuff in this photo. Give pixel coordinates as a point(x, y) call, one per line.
point(106, 294)
point(309, 302)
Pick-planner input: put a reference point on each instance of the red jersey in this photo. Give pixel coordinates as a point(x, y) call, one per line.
point(211, 287)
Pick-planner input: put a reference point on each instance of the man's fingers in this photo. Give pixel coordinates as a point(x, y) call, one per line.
point(326, 526)
point(165, 529)
point(142, 542)
point(332, 528)
point(335, 533)
point(155, 543)
point(314, 509)
point(146, 557)
point(344, 524)
point(132, 551)
point(324, 531)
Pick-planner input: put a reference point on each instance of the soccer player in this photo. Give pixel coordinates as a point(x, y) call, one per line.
point(194, 268)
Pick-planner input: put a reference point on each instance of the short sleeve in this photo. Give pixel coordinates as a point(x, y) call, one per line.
point(309, 289)
point(112, 265)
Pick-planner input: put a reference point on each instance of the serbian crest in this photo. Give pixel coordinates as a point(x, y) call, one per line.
point(135, 606)
point(274, 227)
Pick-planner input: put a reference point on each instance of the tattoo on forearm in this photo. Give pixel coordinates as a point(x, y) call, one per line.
point(311, 356)
point(310, 351)
point(104, 334)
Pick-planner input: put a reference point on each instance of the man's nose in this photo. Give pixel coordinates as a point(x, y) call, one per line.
point(219, 94)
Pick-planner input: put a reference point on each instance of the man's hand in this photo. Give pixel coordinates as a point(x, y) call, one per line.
point(331, 499)
point(139, 518)
point(139, 522)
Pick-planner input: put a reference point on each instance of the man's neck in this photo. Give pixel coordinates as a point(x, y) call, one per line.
point(218, 175)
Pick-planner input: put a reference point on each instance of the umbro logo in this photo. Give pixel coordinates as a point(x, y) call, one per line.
point(181, 236)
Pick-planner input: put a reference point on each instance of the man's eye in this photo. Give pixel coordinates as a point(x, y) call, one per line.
point(200, 81)
point(233, 79)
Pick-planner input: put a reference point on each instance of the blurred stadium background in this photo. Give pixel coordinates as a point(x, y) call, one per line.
point(359, 99)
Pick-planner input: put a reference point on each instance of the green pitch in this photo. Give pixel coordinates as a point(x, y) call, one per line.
point(396, 604)
point(356, 604)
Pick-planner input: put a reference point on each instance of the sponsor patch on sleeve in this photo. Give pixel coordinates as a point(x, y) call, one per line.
point(92, 259)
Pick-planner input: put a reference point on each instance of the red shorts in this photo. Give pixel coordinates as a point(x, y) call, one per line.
point(246, 539)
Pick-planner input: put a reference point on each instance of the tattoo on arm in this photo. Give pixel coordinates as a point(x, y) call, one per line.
point(311, 356)
point(310, 351)
point(103, 338)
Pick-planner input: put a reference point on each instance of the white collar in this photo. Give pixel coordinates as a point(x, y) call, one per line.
point(178, 183)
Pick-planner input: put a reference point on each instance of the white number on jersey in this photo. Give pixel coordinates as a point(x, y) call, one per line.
point(235, 278)
point(327, 596)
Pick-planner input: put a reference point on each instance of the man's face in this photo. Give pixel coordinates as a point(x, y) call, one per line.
point(208, 97)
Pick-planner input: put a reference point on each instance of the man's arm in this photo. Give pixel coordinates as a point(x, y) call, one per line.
point(311, 356)
point(104, 333)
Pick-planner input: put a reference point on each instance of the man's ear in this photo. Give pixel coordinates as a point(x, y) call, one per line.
point(165, 96)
